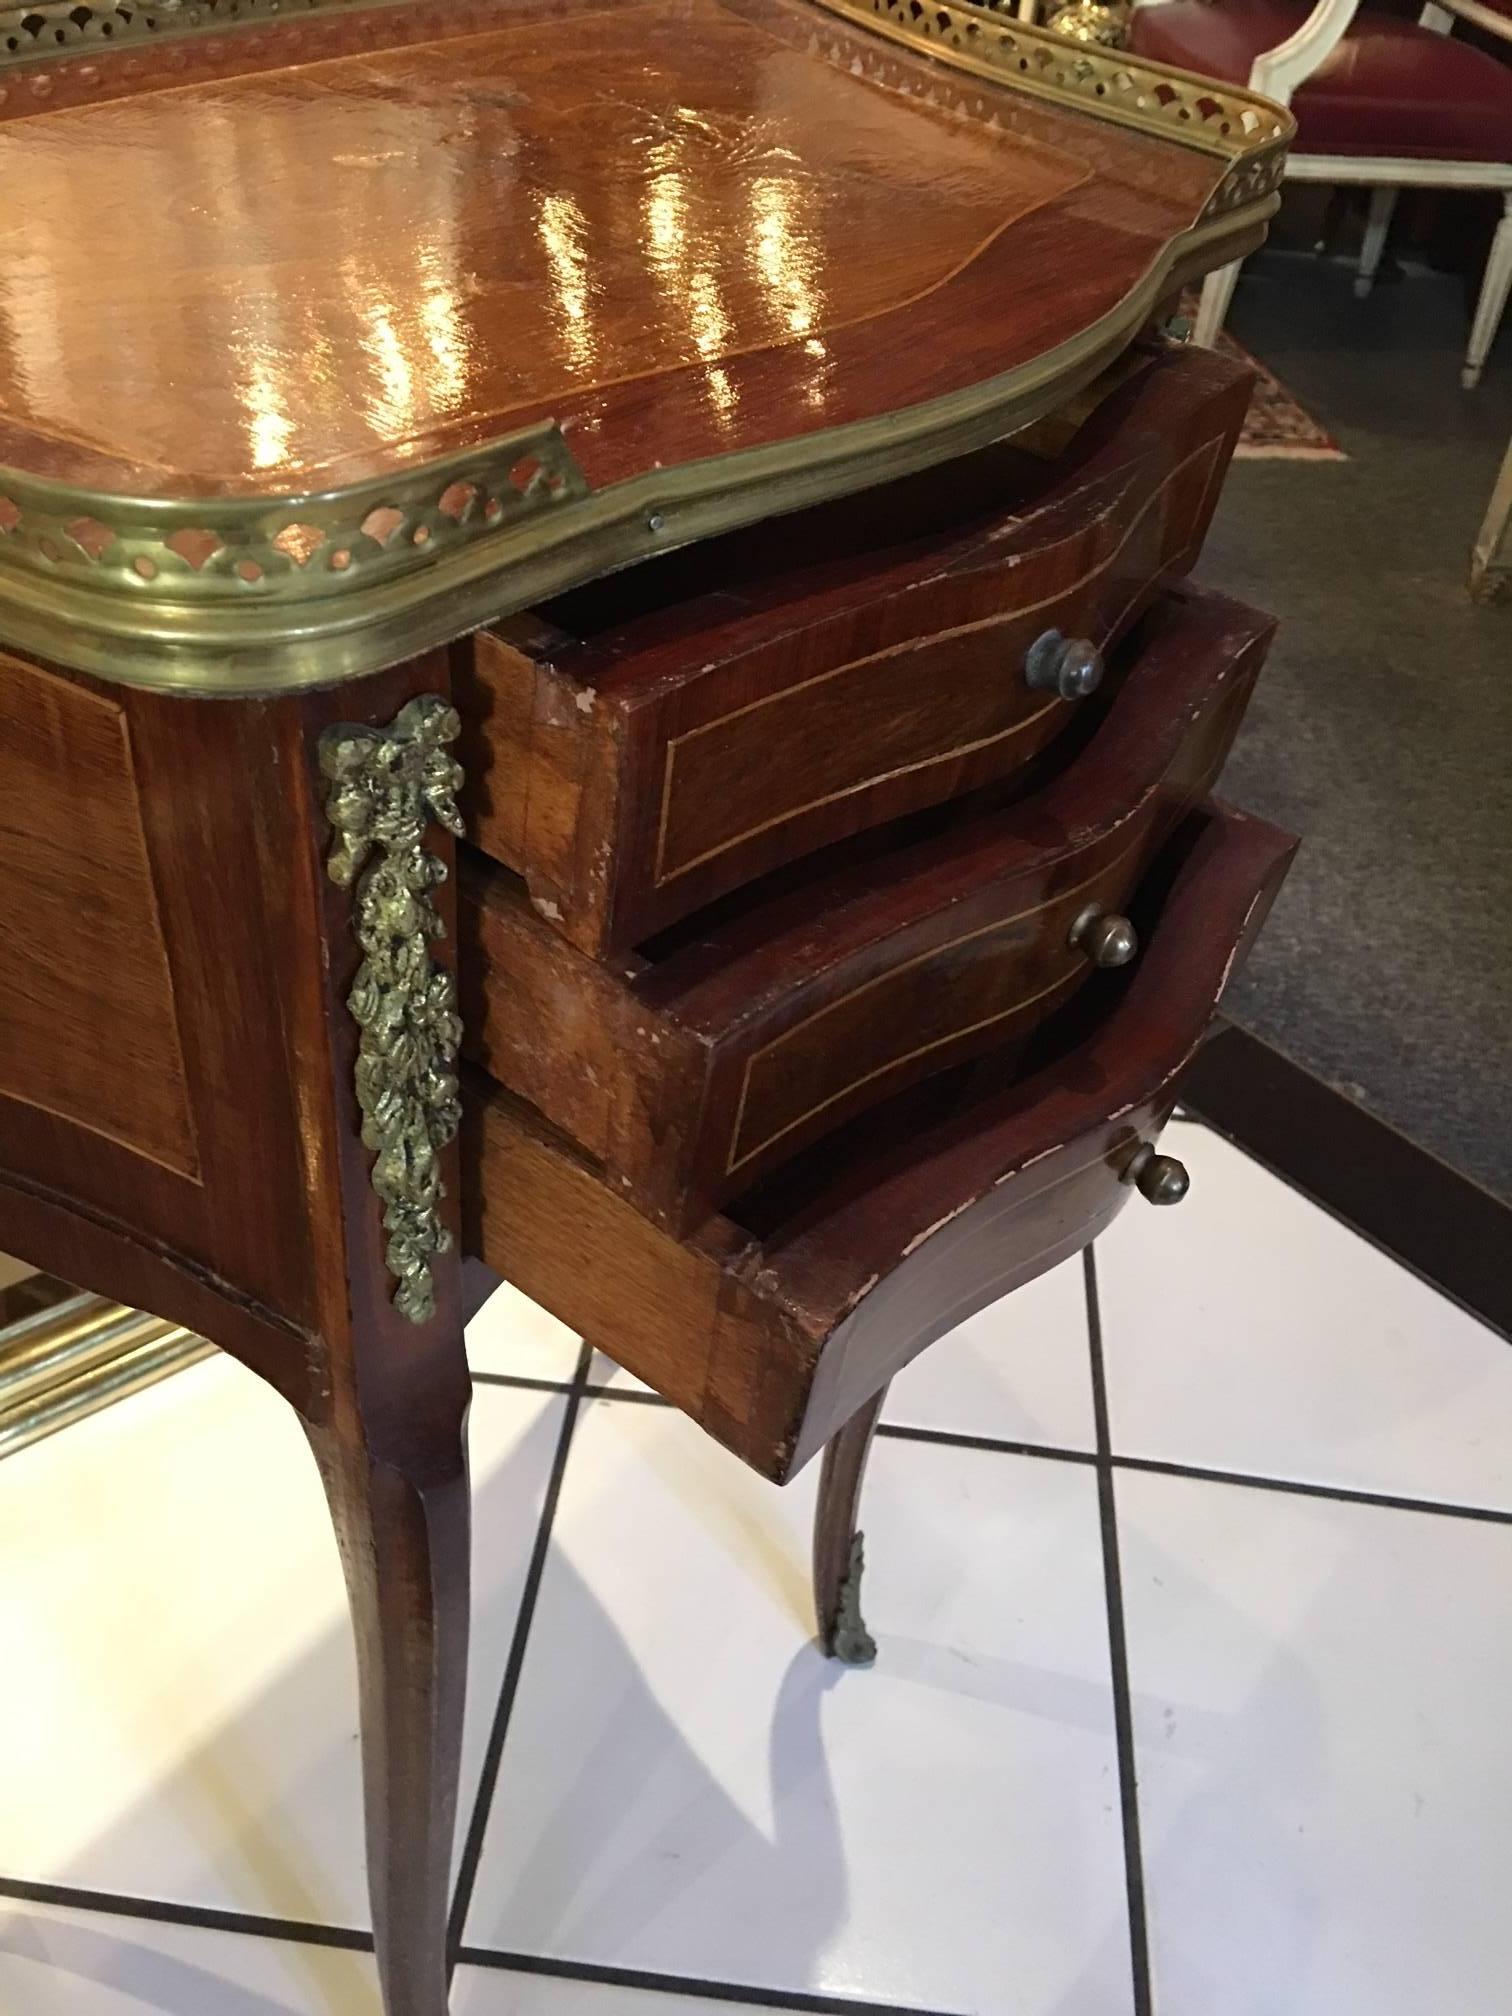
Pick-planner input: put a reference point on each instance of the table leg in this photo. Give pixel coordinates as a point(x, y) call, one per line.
point(392, 1445)
point(402, 1519)
point(282, 1178)
point(839, 1547)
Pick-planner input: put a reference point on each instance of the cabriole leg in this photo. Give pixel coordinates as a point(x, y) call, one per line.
point(839, 1552)
point(402, 1521)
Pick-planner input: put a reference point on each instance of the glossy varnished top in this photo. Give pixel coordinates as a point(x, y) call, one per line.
point(321, 340)
point(657, 217)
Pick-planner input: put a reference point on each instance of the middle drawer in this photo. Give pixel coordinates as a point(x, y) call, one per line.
point(693, 1068)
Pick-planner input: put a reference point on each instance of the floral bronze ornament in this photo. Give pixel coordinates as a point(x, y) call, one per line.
point(386, 786)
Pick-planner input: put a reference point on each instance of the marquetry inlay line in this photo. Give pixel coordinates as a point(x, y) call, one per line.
point(990, 1227)
point(1226, 704)
point(867, 783)
point(895, 1063)
point(886, 979)
point(995, 621)
point(94, 983)
point(1212, 484)
point(1211, 451)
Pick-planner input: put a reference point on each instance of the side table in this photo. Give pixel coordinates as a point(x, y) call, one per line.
point(742, 430)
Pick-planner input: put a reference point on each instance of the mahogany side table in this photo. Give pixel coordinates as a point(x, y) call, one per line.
point(742, 432)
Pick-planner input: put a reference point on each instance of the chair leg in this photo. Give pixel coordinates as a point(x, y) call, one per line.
point(403, 1526)
point(1212, 309)
point(1382, 203)
point(839, 1551)
point(1491, 559)
point(1493, 299)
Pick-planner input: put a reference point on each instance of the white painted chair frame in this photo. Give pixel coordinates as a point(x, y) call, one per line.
point(1277, 74)
point(1442, 18)
point(1491, 556)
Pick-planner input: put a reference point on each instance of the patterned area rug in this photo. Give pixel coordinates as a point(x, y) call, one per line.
point(1276, 426)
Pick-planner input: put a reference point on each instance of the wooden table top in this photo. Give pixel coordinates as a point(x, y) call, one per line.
point(303, 256)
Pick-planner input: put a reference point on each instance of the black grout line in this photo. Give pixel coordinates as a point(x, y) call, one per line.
point(744, 1994)
point(294, 1931)
point(199, 1917)
point(1052, 1452)
point(949, 1439)
point(472, 1852)
point(630, 1393)
point(203, 1918)
point(589, 1391)
point(351, 1939)
point(521, 1382)
point(1118, 1655)
point(1244, 1480)
point(1343, 1493)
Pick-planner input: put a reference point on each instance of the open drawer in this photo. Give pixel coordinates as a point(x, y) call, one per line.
point(777, 1320)
point(692, 1070)
point(653, 741)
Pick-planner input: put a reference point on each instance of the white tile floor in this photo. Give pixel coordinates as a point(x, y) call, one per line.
point(1300, 1755)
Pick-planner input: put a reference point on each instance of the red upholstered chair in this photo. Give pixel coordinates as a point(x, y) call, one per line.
point(1378, 100)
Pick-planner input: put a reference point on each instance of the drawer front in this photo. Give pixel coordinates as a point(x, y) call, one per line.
point(745, 784)
point(757, 723)
point(693, 1076)
point(773, 1324)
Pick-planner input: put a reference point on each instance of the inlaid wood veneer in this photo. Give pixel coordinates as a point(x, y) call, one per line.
point(792, 366)
point(644, 746)
point(691, 1073)
point(772, 1325)
point(80, 930)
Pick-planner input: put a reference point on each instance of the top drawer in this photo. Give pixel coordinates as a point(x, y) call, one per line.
point(659, 738)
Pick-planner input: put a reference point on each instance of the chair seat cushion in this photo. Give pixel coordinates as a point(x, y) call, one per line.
point(1390, 87)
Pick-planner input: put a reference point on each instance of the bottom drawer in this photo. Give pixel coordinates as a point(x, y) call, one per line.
point(776, 1321)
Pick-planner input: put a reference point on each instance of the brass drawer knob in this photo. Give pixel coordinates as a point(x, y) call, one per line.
point(1069, 666)
point(1159, 1178)
point(1106, 938)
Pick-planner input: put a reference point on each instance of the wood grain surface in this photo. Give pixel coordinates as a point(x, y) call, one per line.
point(165, 862)
point(774, 1324)
point(692, 1075)
point(88, 1022)
point(166, 1130)
point(679, 227)
point(641, 747)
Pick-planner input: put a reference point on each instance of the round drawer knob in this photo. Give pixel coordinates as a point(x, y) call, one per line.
point(1069, 666)
point(1159, 1178)
point(1106, 938)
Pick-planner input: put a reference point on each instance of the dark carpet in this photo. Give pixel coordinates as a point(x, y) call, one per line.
point(1382, 727)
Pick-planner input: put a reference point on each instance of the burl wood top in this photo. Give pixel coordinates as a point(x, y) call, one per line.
point(281, 260)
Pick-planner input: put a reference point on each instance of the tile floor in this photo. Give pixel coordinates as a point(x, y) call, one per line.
point(1192, 1574)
